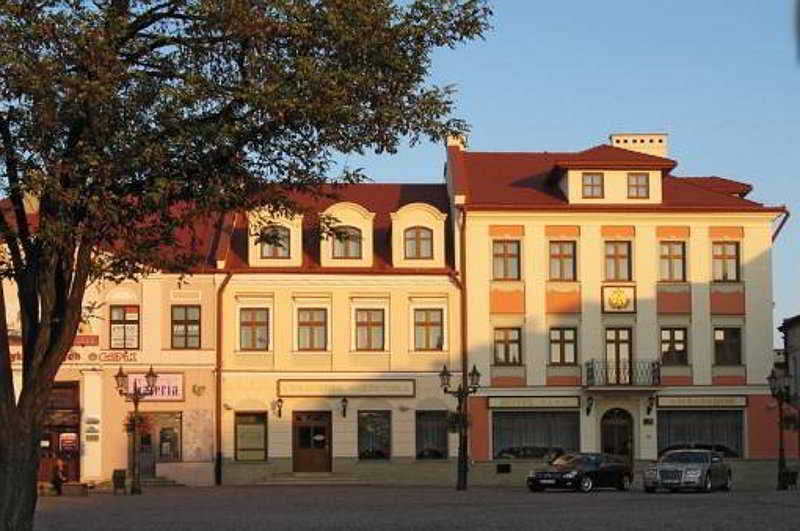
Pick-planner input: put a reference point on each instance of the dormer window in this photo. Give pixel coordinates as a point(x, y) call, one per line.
point(277, 244)
point(638, 186)
point(418, 243)
point(593, 185)
point(347, 243)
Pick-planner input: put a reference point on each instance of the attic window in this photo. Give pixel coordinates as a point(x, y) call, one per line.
point(347, 243)
point(277, 244)
point(593, 185)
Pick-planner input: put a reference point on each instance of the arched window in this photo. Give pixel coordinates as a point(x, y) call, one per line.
point(277, 244)
point(419, 243)
point(347, 242)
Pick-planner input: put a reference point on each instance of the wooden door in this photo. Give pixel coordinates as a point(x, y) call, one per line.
point(311, 441)
point(616, 432)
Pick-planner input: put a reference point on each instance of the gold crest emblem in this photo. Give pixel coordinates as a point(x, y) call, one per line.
point(618, 299)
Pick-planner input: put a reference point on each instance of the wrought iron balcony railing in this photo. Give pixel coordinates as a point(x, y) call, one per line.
point(641, 373)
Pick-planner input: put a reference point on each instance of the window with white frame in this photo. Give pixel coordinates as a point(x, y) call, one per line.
point(312, 329)
point(253, 329)
point(124, 327)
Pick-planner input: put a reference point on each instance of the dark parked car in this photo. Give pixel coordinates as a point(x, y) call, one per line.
point(582, 472)
point(529, 452)
point(688, 469)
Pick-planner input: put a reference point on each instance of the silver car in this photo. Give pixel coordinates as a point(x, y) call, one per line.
point(702, 470)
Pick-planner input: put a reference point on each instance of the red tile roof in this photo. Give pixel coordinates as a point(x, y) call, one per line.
point(722, 185)
point(529, 181)
point(382, 199)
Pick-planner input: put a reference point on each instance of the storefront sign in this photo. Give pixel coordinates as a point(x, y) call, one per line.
point(534, 401)
point(72, 357)
point(121, 356)
point(302, 388)
point(702, 401)
point(169, 387)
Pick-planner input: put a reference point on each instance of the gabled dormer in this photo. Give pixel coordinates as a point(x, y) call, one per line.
point(629, 170)
point(351, 244)
point(283, 245)
point(418, 237)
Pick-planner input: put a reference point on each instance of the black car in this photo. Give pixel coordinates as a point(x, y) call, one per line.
point(582, 472)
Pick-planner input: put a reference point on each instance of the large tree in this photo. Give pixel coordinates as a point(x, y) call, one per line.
point(122, 120)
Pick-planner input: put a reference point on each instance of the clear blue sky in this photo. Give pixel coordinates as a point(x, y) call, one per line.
point(722, 77)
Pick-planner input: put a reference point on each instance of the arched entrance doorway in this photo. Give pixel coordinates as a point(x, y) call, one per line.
point(616, 433)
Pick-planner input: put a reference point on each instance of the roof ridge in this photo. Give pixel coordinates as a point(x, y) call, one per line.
point(695, 185)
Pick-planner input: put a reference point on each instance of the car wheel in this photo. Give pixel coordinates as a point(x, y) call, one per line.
point(586, 484)
point(708, 486)
point(650, 490)
point(624, 483)
point(728, 482)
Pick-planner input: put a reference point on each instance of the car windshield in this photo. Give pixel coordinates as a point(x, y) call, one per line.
point(564, 459)
point(685, 457)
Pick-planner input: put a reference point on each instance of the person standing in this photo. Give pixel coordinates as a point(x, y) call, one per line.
point(58, 476)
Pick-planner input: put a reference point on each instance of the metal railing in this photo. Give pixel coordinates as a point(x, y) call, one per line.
point(622, 373)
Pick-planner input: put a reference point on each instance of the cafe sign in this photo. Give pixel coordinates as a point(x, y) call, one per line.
point(169, 387)
point(534, 401)
point(329, 388)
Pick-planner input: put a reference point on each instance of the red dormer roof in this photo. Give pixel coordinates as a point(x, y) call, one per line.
point(722, 185)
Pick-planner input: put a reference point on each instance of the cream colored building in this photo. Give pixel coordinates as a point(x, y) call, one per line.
point(614, 306)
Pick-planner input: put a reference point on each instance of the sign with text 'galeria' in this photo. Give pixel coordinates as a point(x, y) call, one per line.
point(169, 387)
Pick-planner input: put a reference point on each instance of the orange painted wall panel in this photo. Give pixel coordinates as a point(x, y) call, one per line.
point(479, 428)
point(508, 381)
point(726, 233)
point(672, 233)
point(506, 231)
point(728, 379)
point(563, 300)
point(676, 380)
point(563, 380)
point(762, 429)
point(562, 231)
point(674, 301)
point(618, 231)
point(727, 303)
point(507, 301)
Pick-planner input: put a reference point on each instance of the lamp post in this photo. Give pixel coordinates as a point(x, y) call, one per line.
point(135, 396)
point(469, 385)
point(779, 388)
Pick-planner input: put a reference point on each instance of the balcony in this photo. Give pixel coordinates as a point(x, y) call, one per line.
point(619, 375)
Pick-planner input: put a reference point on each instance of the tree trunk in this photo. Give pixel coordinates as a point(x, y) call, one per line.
point(19, 466)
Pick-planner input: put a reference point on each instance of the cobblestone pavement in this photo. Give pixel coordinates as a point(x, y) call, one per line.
point(376, 508)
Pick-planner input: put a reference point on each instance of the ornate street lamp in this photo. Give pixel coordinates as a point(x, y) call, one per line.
point(779, 388)
point(135, 396)
point(469, 385)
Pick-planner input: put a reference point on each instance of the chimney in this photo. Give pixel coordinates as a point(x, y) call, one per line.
point(459, 141)
point(647, 143)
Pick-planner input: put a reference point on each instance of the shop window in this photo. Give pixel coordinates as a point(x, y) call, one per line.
point(431, 434)
point(124, 327)
point(717, 430)
point(254, 329)
point(185, 327)
point(374, 434)
point(251, 436)
point(727, 346)
point(532, 434)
